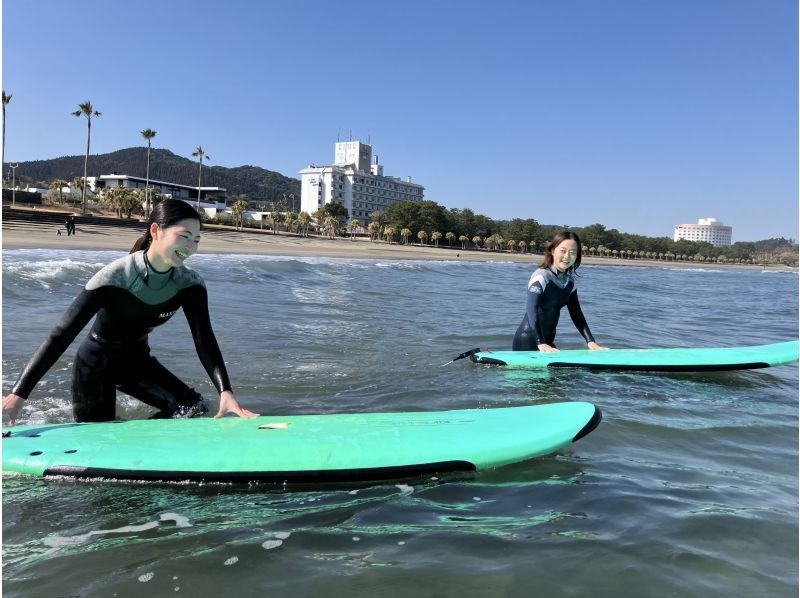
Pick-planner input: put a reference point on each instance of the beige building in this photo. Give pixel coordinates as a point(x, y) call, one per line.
point(708, 230)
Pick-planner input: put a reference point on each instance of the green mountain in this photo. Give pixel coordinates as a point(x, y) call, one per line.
point(258, 184)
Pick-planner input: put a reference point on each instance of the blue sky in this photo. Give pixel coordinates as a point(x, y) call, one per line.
point(638, 114)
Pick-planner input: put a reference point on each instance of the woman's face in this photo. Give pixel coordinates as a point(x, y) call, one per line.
point(172, 245)
point(565, 254)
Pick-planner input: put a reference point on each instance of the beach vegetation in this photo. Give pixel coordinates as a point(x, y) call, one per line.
point(435, 237)
point(405, 233)
point(275, 219)
point(55, 191)
point(353, 227)
point(374, 229)
point(122, 200)
point(238, 208)
point(423, 237)
point(304, 219)
point(330, 227)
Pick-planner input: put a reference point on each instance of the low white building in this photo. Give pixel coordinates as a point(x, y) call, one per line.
point(708, 230)
point(355, 182)
point(210, 197)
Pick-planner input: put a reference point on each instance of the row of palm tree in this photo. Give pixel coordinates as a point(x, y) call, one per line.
point(88, 111)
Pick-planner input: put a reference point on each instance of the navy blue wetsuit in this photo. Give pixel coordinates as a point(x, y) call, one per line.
point(130, 298)
point(548, 291)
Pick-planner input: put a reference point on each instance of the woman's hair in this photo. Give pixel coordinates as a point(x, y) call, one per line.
point(557, 240)
point(165, 213)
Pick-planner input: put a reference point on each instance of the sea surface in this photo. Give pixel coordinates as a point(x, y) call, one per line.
point(689, 486)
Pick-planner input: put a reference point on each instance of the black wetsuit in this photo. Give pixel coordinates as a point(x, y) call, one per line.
point(548, 291)
point(130, 298)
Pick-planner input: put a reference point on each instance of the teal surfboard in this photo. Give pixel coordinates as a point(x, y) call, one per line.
point(297, 449)
point(664, 360)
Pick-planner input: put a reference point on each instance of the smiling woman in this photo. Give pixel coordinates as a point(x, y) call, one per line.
point(130, 297)
point(550, 288)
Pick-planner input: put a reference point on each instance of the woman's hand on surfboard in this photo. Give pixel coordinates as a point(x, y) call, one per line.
point(12, 405)
point(545, 348)
point(227, 404)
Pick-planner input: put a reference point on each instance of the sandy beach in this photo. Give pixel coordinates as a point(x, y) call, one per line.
point(226, 240)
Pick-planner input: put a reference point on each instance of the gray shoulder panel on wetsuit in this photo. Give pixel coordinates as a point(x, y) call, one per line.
point(544, 276)
point(133, 274)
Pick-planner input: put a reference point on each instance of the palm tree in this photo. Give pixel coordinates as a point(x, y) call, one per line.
point(275, 217)
point(6, 100)
point(147, 134)
point(450, 238)
point(200, 155)
point(423, 237)
point(330, 226)
point(476, 240)
point(57, 188)
point(463, 239)
point(304, 219)
point(435, 236)
point(86, 109)
point(374, 228)
point(405, 234)
point(388, 233)
point(352, 227)
point(238, 209)
point(511, 244)
point(522, 246)
point(288, 221)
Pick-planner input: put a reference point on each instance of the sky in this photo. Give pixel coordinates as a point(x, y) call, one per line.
point(636, 114)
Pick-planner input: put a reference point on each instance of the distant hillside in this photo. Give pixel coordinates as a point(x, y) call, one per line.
point(257, 183)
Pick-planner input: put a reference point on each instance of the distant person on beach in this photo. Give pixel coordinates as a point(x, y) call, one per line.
point(70, 225)
point(550, 288)
point(130, 297)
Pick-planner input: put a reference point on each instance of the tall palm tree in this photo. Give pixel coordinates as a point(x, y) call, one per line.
point(6, 100)
point(86, 109)
point(200, 155)
point(450, 238)
point(147, 134)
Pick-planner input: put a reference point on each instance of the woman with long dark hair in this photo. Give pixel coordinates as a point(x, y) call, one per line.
point(550, 288)
point(130, 297)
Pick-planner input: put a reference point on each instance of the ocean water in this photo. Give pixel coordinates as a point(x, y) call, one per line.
point(689, 486)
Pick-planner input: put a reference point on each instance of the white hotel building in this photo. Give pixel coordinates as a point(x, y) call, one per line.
point(707, 230)
point(355, 182)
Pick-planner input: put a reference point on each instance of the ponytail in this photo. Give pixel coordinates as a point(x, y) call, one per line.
point(142, 243)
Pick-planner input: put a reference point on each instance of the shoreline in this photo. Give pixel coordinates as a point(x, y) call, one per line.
point(225, 240)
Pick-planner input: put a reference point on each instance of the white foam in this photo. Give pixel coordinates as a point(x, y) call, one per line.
point(270, 544)
point(61, 541)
